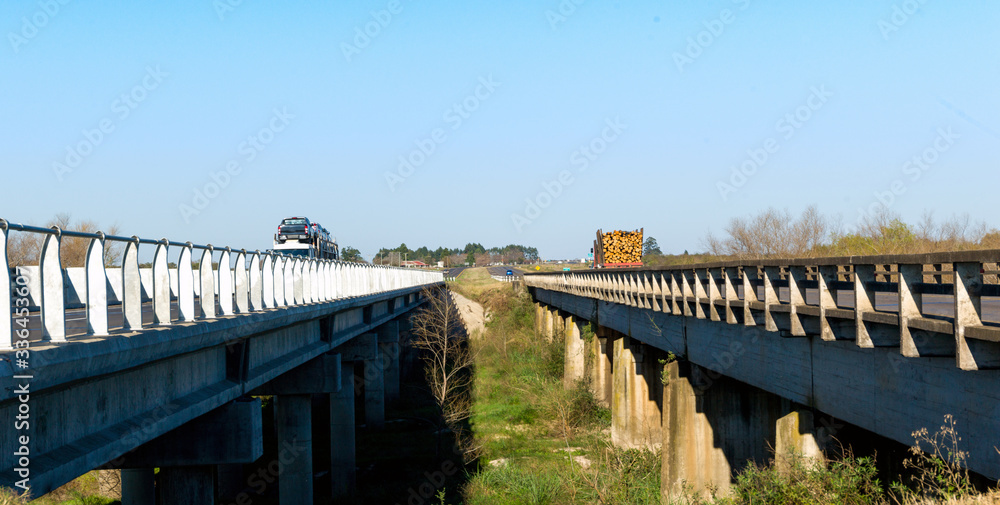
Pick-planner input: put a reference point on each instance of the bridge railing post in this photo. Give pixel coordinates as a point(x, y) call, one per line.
point(97, 292)
point(712, 275)
point(288, 276)
point(796, 298)
point(227, 279)
point(161, 285)
point(267, 284)
point(185, 284)
point(207, 278)
point(730, 276)
point(53, 305)
point(749, 294)
point(826, 276)
point(131, 287)
point(244, 284)
point(772, 273)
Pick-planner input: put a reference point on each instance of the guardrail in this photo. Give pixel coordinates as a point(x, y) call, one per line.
point(244, 282)
point(906, 301)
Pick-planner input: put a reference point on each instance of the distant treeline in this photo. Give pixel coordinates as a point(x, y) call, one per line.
point(473, 254)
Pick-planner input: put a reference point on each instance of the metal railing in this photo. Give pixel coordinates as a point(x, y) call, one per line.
point(906, 301)
point(250, 282)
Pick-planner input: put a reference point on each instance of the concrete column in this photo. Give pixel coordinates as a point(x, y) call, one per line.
point(549, 329)
point(795, 435)
point(603, 357)
point(713, 427)
point(622, 370)
point(342, 453)
point(388, 344)
point(374, 381)
point(138, 487)
point(645, 420)
point(293, 419)
point(187, 485)
point(573, 369)
point(539, 321)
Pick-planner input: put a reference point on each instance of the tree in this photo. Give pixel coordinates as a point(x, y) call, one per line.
point(651, 248)
point(448, 360)
point(349, 253)
point(470, 259)
point(24, 248)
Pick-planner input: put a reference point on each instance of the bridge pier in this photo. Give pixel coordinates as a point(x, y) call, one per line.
point(714, 427)
point(601, 357)
point(388, 344)
point(343, 473)
point(293, 420)
point(635, 402)
point(575, 356)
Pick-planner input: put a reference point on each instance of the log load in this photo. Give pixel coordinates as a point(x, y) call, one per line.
point(619, 247)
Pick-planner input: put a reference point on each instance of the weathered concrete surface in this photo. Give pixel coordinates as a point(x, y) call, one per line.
point(342, 449)
point(575, 357)
point(95, 399)
point(873, 388)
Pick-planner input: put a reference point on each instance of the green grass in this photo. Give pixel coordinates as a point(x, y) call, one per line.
point(530, 428)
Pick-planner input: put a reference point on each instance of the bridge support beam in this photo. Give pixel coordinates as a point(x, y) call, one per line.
point(388, 346)
point(365, 349)
point(635, 402)
point(343, 475)
point(714, 426)
point(293, 419)
point(575, 360)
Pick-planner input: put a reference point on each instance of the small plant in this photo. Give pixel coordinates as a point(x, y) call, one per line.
point(665, 372)
point(939, 465)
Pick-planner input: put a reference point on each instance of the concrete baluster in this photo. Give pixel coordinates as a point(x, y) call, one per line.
point(864, 302)
point(244, 282)
point(289, 267)
point(698, 285)
point(185, 285)
point(297, 281)
point(269, 296)
point(749, 295)
point(97, 290)
point(730, 276)
point(307, 281)
point(131, 288)
point(280, 296)
point(227, 277)
point(826, 276)
point(772, 274)
point(207, 300)
point(319, 281)
point(796, 298)
point(161, 285)
point(53, 302)
point(971, 354)
point(712, 274)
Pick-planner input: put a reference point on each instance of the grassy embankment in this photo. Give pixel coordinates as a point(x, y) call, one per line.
point(541, 444)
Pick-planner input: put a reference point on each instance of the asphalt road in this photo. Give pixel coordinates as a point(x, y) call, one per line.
point(454, 272)
point(502, 271)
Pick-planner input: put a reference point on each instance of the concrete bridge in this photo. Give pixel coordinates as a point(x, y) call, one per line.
point(767, 348)
point(162, 368)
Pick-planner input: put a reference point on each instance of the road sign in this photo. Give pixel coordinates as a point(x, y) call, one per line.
point(566, 269)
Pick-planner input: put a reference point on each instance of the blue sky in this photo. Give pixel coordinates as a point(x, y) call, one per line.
point(493, 103)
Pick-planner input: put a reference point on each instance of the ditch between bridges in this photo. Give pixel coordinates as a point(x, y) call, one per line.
point(765, 348)
point(173, 384)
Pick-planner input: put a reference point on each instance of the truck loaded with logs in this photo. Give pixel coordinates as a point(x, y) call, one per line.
point(618, 249)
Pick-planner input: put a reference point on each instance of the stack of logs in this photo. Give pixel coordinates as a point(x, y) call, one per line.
point(622, 246)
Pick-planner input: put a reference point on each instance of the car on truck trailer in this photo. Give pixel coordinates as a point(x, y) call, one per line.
point(298, 236)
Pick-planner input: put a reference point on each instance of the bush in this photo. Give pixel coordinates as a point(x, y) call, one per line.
point(805, 481)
